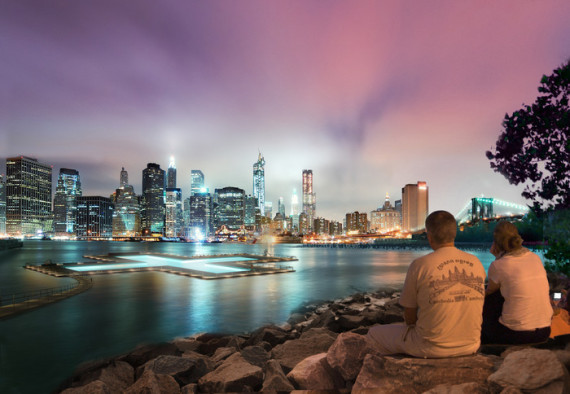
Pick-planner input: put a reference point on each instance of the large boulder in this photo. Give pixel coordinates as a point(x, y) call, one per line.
point(95, 387)
point(185, 370)
point(255, 355)
point(418, 375)
point(311, 342)
point(464, 388)
point(275, 379)
point(314, 373)
point(186, 344)
point(271, 334)
point(328, 319)
point(117, 375)
point(222, 353)
point(142, 354)
point(347, 353)
point(529, 369)
point(234, 373)
point(151, 383)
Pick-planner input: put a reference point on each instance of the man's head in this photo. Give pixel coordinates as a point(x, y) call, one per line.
point(441, 228)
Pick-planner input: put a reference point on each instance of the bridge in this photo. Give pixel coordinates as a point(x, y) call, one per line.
point(488, 209)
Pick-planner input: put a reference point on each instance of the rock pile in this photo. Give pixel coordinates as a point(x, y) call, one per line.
point(321, 347)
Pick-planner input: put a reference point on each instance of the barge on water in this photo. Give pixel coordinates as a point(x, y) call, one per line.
point(219, 266)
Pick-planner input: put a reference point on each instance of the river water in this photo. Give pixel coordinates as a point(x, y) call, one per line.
point(39, 349)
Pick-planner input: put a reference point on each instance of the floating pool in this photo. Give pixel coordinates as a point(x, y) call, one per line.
point(210, 265)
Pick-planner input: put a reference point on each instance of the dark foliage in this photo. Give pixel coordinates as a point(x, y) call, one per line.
point(534, 146)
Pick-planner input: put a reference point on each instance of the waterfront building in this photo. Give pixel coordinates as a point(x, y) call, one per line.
point(200, 217)
point(126, 216)
point(414, 207)
point(357, 222)
point(94, 217)
point(259, 183)
point(153, 199)
point(251, 215)
point(229, 208)
point(268, 209)
point(385, 219)
point(335, 228)
point(28, 196)
point(65, 202)
point(398, 207)
point(2, 205)
point(173, 217)
point(196, 182)
point(321, 226)
point(309, 197)
point(304, 227)
point(294, 211)
point(171, 174)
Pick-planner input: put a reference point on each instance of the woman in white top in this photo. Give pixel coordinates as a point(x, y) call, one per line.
point(517, 306)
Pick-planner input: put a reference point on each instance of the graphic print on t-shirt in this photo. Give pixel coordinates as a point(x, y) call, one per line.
point(455, 285)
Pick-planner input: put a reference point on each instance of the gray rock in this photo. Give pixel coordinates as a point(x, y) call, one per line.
point(275, 379)
point(347, 353)
point(465, 388)
point(314, 373)
point(418, 375)
point(311, 342)
point(529, 369)
point(234, 373)
point(326, 320)
point(274, 335)
point(186, 344)
point(95, 387)
point(563, 356)
point(118, 376)
point(349, 322)
point(255, 355)
point(151, 383)
point(143, 354)
point(185, 370)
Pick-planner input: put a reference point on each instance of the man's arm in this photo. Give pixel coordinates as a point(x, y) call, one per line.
point(491, 287)
point(410, 316)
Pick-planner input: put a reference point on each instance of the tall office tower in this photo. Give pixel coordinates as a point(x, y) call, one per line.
point(173, 222)
point(309, 198)
point(153, 195)
point(186, 217)
point(200, 225)
point(126, 216)
point(94, 217)
point(268, 208)
point(335, 228)
point(2, 205)
point(28, 196)
point(303, 223)
point(321, 226)
point(281, 206)
point(357, 222)
point(197, 182)
point(414, 207)
point(295, 211)
point(251, 211)
point(259, 183)
point(65, 201)
point(229, 208)
point(124, 177)
point(385, 219)
point(171, 174)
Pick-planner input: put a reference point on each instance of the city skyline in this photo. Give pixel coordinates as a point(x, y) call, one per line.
point(371, 97)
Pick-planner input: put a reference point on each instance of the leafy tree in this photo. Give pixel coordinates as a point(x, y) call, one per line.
point(534, 147)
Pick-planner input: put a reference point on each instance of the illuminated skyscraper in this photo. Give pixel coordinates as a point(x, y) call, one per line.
point(251, 211)
point(385, 218)
point(281, 206)
point(197, 182)
point(2, 205)
point(94, 217)
point(28, 196)
point(295, 211)
point(309, 198)
point(259, 183)
point(200, 226)
point(173, 218)
point(357, 222)
point(414, 207)
point(171, 174)
point(153, 197)
point(65, 202)
point(229, 208)
point(126, 216)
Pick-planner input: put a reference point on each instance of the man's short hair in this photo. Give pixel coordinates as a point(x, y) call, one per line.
point(441, 226)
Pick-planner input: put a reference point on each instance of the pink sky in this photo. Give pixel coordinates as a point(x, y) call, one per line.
point(369, 95)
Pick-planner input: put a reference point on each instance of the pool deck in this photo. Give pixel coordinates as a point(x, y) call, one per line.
point(252, 265)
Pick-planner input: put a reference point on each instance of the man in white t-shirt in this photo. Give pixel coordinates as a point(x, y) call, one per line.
point(442, 297)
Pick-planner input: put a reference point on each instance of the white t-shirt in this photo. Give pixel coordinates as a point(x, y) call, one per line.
point(524, 286)
point(448, 288)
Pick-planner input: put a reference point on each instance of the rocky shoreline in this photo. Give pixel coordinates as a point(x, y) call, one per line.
point(322, 347)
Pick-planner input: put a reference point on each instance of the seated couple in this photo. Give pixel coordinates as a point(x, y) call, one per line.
point(444, 293)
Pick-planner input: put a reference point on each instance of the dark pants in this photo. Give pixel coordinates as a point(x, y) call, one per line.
point(492, 331)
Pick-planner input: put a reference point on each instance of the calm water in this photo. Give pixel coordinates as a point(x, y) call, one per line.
point(39, 349)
